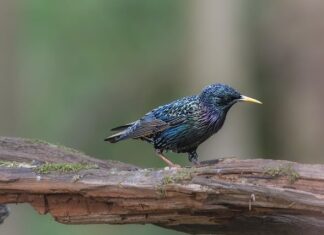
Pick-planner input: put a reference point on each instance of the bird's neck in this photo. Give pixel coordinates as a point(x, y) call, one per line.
point(213, 114)
point(215, 109)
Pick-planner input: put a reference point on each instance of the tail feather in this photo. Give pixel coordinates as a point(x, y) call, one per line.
point(121, 135)
point(123, 127)
point(116, 137)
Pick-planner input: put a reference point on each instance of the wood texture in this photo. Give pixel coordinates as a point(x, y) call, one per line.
point(231, 196)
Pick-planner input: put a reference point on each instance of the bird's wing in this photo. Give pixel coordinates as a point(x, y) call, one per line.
point(146, 126)
point(164, 117)
point(178, 111)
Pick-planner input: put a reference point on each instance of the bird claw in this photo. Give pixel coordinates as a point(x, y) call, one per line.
point(167, 161)
point(172, 167)
point(175, 166)
point(196, 164)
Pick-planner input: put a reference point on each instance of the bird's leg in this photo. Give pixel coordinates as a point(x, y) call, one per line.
point(167, 161)
point(193, 157)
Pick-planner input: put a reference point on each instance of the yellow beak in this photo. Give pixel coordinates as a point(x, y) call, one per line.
point(249, 99)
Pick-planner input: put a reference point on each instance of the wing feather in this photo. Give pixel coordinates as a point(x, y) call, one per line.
point(146, 128)
point(164, 117)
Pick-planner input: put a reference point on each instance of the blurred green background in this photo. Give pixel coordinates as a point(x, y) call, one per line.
point(71, 70)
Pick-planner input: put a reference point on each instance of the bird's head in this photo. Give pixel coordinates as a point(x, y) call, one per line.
point(223, 96)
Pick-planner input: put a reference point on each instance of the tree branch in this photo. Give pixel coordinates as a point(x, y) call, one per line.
point(231, 197)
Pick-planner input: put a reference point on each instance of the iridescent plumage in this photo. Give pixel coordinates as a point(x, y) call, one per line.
point(182, 125)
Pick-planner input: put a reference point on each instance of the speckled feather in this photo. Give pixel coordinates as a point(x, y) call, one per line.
point(190, 125)
point(182, 125)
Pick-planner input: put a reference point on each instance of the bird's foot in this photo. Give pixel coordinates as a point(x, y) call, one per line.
point(167, 161)
point(170, 164)
point(193, 158)
point(171, 167)
point(195, 163)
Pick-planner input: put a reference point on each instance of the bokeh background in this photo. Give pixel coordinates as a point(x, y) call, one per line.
point(71, 70)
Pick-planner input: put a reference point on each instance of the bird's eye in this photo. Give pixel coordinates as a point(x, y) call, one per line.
point(228, 99)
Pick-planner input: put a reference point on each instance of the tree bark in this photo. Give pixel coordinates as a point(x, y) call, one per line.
point(229, 196)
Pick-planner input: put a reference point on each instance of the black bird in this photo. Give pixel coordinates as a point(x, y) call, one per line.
point(182, 125)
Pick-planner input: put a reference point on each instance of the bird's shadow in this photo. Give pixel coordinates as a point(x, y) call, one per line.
point(214, 161)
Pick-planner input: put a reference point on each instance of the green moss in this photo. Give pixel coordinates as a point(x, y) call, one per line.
point(168, 179)
point(180, 175)
point(161, 191)
point(63, 167)
point(283, 170)
point(11, 164)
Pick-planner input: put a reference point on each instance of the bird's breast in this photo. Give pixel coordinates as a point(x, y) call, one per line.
point(189, 135)
point(214, 121)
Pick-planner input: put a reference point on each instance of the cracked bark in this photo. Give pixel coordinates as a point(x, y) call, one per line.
point(214, 198)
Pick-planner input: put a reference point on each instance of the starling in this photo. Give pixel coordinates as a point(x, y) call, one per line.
point(182, 125)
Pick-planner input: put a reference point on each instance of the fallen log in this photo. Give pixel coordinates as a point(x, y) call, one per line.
point(230, 196)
